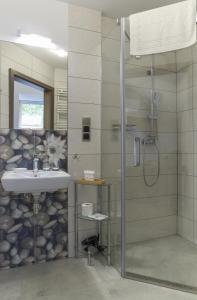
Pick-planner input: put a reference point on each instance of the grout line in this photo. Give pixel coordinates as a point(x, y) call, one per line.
point(84, 103)
point(84, 29)
point(83, 53)
point(79, 77)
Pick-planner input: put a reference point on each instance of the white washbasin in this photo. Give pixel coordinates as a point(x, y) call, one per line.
point(27, 182)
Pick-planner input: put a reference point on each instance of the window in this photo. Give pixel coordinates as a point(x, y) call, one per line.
point(31, 114)
point(31, 102)
point(29, 105)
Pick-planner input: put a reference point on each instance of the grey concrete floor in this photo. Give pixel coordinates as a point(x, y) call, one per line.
point(171, 258)
point(72, 279)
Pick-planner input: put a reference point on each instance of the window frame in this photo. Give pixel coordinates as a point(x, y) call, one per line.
point(48, 98)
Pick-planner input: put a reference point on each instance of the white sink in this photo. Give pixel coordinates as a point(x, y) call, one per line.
point(28, 182)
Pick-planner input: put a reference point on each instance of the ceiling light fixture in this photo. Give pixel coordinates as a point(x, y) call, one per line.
point(60, 52)
point(36, 41)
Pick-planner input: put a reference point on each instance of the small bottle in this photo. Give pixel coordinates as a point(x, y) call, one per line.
point(46, 165)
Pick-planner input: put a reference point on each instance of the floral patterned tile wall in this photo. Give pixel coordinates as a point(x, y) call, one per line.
point(25, 237)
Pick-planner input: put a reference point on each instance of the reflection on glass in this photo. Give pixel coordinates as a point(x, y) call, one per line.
point(28, 104)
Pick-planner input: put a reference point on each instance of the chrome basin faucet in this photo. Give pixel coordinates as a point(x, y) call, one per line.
point(35, 165)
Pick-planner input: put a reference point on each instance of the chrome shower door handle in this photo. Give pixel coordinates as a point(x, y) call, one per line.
point(136, 151)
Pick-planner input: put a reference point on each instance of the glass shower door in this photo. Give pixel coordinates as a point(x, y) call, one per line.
point(150, 147)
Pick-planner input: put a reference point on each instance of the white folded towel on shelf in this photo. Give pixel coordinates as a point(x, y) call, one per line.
point(163, 29)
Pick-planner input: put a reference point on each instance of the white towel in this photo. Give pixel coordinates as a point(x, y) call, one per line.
point(163, 29)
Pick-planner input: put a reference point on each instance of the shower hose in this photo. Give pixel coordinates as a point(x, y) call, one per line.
point(145, 145)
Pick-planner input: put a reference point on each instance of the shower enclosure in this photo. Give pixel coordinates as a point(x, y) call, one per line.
point(152, 147)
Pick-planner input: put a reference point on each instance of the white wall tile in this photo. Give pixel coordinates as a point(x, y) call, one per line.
point(165, 81)
point(166, 61)
point(84, 18)
point(6, 64)
point(186, 164)
point(110, 94)
point(110, 165)
point(84, 41)
point(110, 142)
point(84, 162)
point(186, 207)
point(167, 122)
point(185, 228)
point(77, 111)
point(16, 53)
point(195, 141)
point(136, 188)
point(195, 232)
point(195, 187)
point(194, 119)
point(148, 208)
point(110, 72)
point(76, 145)
point(84, 66)
point(168, 142)
point(4, 105)
point(195, 210)
point(110, 28)
point(43, 69)
point(184, 78)
point(143, 61)
point(185, 121)
point(184, 58)
point(150, 229)
point(195, 165)
point(137, 76)
point(186, 142)
point(84, 90)
point(110, 116)
point(194, 89)
point(184, 99)
point(167, 101)
point(4, 83)
point(43, 79)
point(111, 49)
point(186, 185)
point(4, 121)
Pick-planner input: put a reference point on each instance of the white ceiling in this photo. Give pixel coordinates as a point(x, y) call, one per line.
point(47, 18)
point(118, 8)
point(41, 17)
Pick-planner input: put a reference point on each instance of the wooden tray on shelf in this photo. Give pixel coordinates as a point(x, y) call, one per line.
point(92, 182)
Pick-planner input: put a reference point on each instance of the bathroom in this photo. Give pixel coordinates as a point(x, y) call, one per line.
point(98, 149)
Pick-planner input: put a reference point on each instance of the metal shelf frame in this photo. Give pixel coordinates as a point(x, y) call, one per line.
point(100, 188)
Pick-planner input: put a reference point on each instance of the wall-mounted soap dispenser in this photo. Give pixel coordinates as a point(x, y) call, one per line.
point(86, 129)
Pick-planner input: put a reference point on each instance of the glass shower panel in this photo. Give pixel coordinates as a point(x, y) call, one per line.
point(110, 125)
point(151, 165)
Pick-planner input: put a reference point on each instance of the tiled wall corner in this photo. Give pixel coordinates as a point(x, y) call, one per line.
point(84, 100)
